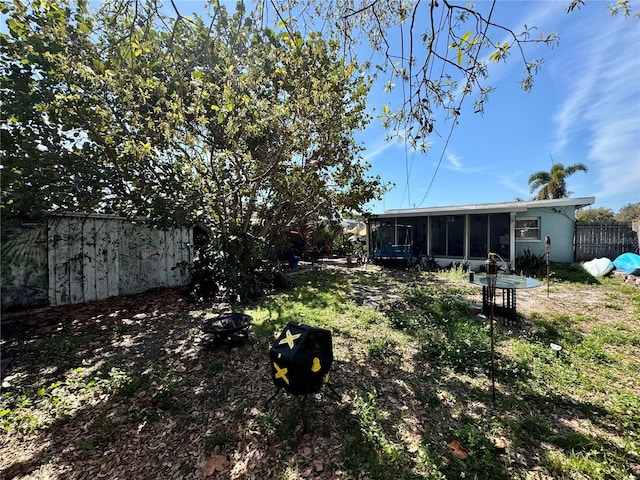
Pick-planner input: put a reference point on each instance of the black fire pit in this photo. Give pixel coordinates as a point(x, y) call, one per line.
point(227, 327)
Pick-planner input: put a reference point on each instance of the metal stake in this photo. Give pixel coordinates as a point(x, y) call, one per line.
point(547, 243)
point(491, 268)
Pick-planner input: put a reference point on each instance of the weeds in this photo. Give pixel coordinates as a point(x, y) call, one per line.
point(568, 415)
point(27, 412)
point(439, 320)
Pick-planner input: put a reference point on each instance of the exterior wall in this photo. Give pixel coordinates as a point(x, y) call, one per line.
point(74, 259)
point(558, 224)
point(24, 266)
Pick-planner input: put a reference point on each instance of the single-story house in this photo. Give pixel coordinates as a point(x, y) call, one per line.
point(467, 233)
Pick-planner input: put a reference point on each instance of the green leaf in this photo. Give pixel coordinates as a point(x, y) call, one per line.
point(5, 412)
point(83, 28)
point(16, 28)
point(41, 392)
point(459, 56)
point(466, 36)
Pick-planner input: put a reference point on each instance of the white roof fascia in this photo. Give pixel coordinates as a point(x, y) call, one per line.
point(505, 207)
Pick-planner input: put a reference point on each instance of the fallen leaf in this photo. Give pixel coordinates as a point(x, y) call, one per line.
point(500, 443)
point(318, 465)
point(457, 450)
point(306, 451)
point(217, 463)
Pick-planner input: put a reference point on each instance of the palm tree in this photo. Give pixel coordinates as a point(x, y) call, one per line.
point(553, 184)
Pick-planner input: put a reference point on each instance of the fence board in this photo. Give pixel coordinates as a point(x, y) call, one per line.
point(25, 277)
point(59, 261)
point(170, 246)
point(113, 259)
point(187, 254)
point(101, 240)
point(76, 253)
point(89, 259)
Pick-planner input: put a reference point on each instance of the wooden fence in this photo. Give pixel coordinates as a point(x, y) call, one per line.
point(595, 240)
point(80, 258)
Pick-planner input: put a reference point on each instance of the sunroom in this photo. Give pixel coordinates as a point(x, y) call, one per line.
point(467, 233)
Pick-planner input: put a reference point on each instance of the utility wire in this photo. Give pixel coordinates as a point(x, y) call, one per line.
point(455, 121)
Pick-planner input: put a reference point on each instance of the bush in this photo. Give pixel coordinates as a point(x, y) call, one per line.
point(236, 268)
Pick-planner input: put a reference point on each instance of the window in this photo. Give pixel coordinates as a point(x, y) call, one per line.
point(447, 235)
point(499, 234)
point(439, 236)
point(528, 229)
point(479, 228)
point(455, 235)
point(489, 233)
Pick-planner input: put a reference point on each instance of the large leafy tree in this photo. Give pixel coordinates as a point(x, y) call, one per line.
point(628, 212)
point(184, 119)
point(553, 184)
point(602, 215)
point(43, 157)
point(273, 141)
point(78, 133)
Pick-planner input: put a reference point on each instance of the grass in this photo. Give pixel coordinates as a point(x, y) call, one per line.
point(412, 371)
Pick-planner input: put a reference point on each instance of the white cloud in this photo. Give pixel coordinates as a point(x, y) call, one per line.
point(454, 162)
point(378, 149)
point(513, 182)
point(602, 108)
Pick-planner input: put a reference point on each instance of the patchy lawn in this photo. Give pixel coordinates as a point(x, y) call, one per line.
point(131, 388)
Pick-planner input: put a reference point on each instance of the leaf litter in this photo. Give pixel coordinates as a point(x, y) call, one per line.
point(171, 406)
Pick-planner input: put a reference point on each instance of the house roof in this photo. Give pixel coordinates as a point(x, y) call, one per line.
point(478, 208)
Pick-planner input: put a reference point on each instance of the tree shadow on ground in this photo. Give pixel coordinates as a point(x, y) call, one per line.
point(171, 402)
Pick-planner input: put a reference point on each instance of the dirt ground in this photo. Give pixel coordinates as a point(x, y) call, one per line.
point(117, 438)
point(573, 300)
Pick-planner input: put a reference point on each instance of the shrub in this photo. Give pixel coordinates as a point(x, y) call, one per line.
point(237, 268)
point(530, 264)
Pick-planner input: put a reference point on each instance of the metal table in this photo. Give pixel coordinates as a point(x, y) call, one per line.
point(509, 285)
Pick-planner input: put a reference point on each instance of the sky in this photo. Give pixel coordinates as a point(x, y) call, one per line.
point(584, 108)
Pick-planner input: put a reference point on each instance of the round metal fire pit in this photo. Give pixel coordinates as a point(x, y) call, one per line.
point(228, 326)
